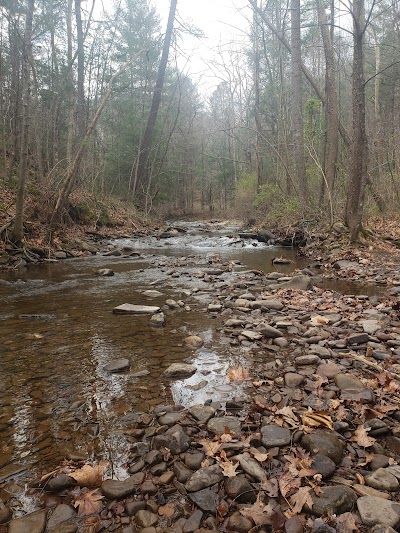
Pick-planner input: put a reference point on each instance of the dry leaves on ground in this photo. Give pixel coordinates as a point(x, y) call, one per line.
point(210, 447)
point(89, 476)
point(88, 502)
point(288, 484)
point(238, 374)
point(262, 514)
point(317, 419)
point(361, 437)
point(167, 510)
point(300, 499)
point(318, 320)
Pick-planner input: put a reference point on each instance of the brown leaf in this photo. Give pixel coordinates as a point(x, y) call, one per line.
point(361, 437)
point(270, 486)
point(210, 447)
point(288, 484)
point(317, 419)
point(300, 499)
point(89, 502)
point(238, 374)
point(228, 468)
point(318, 320)
point(256, 513)
point(167, 510)
point(289, 416)
point(345, 523)
point(89, 476)
point(260, 457)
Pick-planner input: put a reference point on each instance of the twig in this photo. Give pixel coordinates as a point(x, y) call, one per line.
point(361, 359)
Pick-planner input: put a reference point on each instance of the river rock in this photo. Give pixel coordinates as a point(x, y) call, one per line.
point(59, 483)
point(328, 370)
point(370, 326)
point(10, 470)
point(62, 513)
point(180, 370)
point(105, 272)
point(119, 365)
point(30, 523)
point(239, 489)
point(130, 309)
point(378, 511)
point(293, 380)
point(239, 523)
point(193, 522)
point(323, 465)
point(252, 467)
point(269, 331)
point(218, 425)
point(115, 490)
point(381, 479)
point(323, 443)
point(251, 335)
point(158, 320)
point(357, 338)
point(194, 341)
point(273, 435)
point(169, 419)
point(176, 441)
point(308, 359)
point(268, 304)
point(203, 478)
point(152, 293)
point(5, 513)
point(379, 461)
point(145, 518)
point(352, 388)
point(299, 282)
point(182, 473)
point(172, 304)
point(333, 500)
point(214, 308)
point(193, 460)
point(202, 413)
point(206, 499)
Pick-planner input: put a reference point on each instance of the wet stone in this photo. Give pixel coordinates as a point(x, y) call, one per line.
point(119, 365)
point(381, 479)
point(269, 331)
point(59, 483)
point(378, 511)
point(333, 500)
point(114, 490)
point(180, 370)
point(158, 320)
point(62, 513)
point(218, 425)
point(130, 309)
point(105, 272)
point(325, 444)
point(194, 341)
point(153, 457)
point(273, 435)
point(30, 523)
point(239, 489)
point(148, 487)
point(203, 478)
point(176, 441)
point(170, 419)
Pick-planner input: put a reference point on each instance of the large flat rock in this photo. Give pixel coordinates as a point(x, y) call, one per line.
point(131, 309)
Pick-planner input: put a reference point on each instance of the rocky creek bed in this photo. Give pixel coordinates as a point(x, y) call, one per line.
point(306, 439)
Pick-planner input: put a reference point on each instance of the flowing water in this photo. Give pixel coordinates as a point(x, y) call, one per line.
point(58, 332)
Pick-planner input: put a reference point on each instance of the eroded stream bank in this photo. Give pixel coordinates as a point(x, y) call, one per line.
point(59, 333)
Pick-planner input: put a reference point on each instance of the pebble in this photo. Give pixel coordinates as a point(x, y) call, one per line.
point(239, 489)
point(379, 461)
point(194, 341)
point(309, 359)
point(328, 370)
point(115, 490)
point(293, 380)
point(193, 522)
point(218, 425)
point(239, 523)
point(323, 443)
point(145, 518)
point(174, 439)
point(30, 523)
point(378, 511)
point(202, 413)
point(294, 525)
point(333, 500)
point(180, 370)
point(323, 465)
point(133, 506)
point(206, 499)
point(61, 514)
point(203, 478)
point(381, 479)
point(273, 435)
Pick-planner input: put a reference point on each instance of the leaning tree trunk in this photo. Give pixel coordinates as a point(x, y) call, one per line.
point(358, 177)
point(17, 234)
point(297, 103)
point(138, 185)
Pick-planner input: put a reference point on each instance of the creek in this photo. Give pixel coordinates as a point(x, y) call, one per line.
point(58, 332)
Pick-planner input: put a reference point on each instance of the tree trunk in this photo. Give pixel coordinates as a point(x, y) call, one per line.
point(358, 178)
point(139, 185)
point(297, 103)
point(80, 108)
point(18, 231)
point(332, 103)
point(257, 101)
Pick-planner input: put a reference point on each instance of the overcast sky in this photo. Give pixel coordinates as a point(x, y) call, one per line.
point(221, 21)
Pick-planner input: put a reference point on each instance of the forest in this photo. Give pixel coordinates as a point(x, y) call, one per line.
point(302, 122)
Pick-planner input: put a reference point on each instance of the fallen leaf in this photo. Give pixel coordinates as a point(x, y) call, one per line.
point(260, 457)
point(300, 499)
point(89, 502)
point(256, 513)
point(225, 437)
point(317, 419)
point(238, 374)
point(271, 487)
point(228, 468)
point(89, 476)
point(361, 437)
point(210, 447)
point(318, 320)
point(167, 510)
point(289, 416)
point(345, 523)
point(288, 484)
